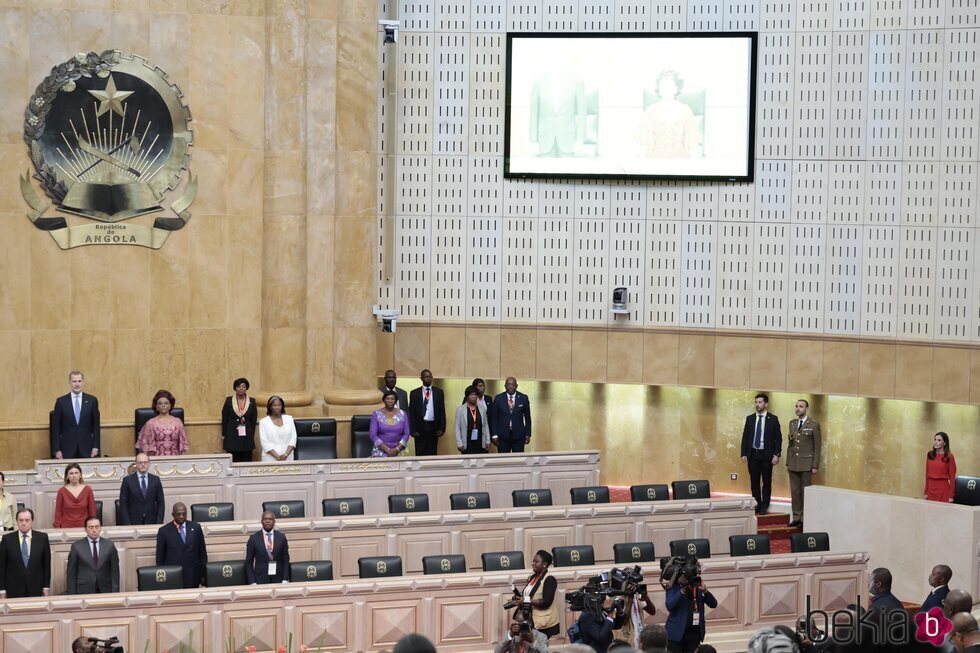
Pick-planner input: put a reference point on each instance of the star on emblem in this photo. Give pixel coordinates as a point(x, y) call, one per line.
point(110, 98)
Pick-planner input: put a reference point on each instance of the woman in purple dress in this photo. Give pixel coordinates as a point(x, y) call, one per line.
point(389, 428)
point(164, 434)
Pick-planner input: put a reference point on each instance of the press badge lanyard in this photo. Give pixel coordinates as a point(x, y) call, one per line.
point(240, 409)
point(473, 433)
point(696, 616)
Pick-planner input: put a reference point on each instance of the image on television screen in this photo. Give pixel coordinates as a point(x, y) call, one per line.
point(653, 105)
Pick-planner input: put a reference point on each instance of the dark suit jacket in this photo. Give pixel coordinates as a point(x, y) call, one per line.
point(508, 424)
point(402, 397)
point(192, 555)
point(257, 558)
point(69, 437)
point(935, 599)
point(598, 632)
point(678, 609)
point(17, 580)
point(416, 411)
point(133, 508)
point(772, 436)
point(83, 577)
point(886, 601)
point(231, 441)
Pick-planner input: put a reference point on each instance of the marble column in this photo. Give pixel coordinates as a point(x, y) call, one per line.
point(352, 384)
point(284, 248)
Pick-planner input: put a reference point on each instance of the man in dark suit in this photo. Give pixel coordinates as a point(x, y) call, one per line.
point(939, 581)
point(267, 554)
point(427, 415)
point(510, 419)
point(391, 383)
point(76, 424)
point(140, 496)
point(93, 562)
point(25, 560)
point(685, 619)
point(181, 542)
point(762, 443)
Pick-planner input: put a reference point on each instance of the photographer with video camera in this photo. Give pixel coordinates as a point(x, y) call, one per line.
point(536, 602)
point(601, 609)
point(637, 600)
point(95, 645)
point(685, 600)
point(521, 638)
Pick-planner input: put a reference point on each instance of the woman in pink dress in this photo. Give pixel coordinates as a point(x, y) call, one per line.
point(940, 470)
point(75, 501)
point(164, 434)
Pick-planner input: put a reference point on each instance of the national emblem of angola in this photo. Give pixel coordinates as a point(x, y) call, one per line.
point(109, 139)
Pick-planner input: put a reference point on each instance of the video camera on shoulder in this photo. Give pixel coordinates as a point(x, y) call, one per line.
point(672, 569)
point(110, 645)
point(618, 583)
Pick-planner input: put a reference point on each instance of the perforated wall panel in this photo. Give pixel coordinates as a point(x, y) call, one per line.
point(861, 220)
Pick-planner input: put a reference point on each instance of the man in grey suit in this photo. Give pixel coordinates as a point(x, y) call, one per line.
point(93, 562)
point(557, 114)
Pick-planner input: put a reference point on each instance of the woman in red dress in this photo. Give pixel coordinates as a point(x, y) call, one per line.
point(940, 470)
point(75, 501)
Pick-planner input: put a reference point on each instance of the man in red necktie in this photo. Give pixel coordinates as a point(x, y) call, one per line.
point(427, 415)
point(267, 554)
point(511, 419)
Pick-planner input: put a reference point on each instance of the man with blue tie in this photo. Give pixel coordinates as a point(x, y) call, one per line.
point(510, 419)
point(25, 560)
point(181, 542)
point(140, 496)
point(762, 442)
point(76, 424)
point(267, 554)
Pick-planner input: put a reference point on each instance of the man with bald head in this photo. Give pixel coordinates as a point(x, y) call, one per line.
point(965, 636)
point(510, 419)
point(957, 601)
point(181, 542)
point(939, 581)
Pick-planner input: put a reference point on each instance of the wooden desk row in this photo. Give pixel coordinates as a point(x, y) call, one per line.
point(210, 479)
point(462, 612)
point(471, 533)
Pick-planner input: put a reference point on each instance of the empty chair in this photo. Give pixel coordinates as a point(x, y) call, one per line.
point(116, 504)
point(691, 490)
point(596, 494)
point(379, 566)
point(502, 560)
point(307, 572)
point(360, 436)
point(699, 547)
point(748, 545)
point(343, 506)
point(804, 542)
point(531, 498)
point(408, 503)
point(201, 512)
point(291, 509)
point(98, 511)
point(649, 492)
point(573, 556)
point(633, 553)
point(167, 577)
point(447, 564)
point(470, 500)
point(316, 438)
point(225, 573)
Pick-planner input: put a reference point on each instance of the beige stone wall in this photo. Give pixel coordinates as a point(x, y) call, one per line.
point(700, 358)
point(247, 288)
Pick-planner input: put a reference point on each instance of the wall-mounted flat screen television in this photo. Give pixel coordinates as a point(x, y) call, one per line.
point(675, 105)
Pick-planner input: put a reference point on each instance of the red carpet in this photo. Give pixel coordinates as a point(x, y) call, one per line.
point(774, 525)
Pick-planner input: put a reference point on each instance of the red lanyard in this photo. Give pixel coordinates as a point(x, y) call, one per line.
point(473, 414)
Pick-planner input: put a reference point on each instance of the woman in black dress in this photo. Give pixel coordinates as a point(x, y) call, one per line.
point(238, 419)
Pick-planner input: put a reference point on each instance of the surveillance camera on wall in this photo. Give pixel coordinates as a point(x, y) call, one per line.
point(619, 300)
point(389, 319)
point(390, 29)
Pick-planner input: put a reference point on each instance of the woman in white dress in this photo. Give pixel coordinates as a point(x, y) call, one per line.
point(277, 432)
